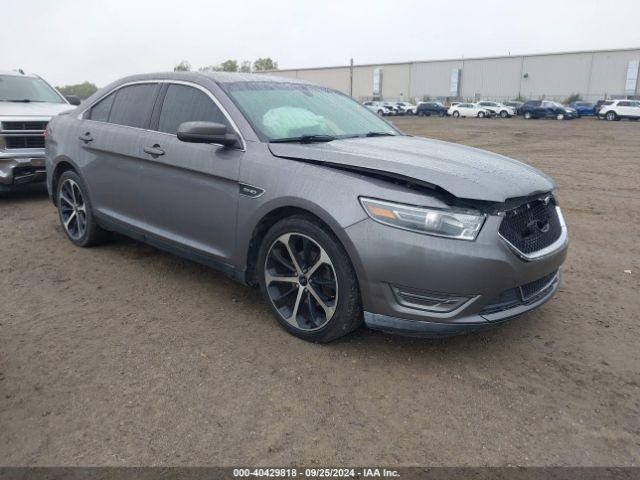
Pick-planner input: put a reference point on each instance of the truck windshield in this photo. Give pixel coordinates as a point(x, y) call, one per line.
point(18, 88)
point(279, 111)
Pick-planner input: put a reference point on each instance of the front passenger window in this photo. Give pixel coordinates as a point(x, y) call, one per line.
point(187, 104)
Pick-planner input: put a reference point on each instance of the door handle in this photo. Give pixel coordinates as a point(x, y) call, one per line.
point(154, 151)
point(86, 137)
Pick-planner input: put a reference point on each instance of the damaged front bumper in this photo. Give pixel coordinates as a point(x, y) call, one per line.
point(20, 168)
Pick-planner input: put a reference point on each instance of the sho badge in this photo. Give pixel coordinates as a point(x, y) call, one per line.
point(250, 191)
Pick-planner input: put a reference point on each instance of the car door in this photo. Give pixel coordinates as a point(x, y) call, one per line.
point(110, 139)
point(191, 189)
point(634, 110)
point(623, 109)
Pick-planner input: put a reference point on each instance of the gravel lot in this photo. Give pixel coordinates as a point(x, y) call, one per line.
point(125, 355)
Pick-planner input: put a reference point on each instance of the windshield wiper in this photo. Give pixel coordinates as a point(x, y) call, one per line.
point(380, 134)
point(305, 139)
point(23, 100)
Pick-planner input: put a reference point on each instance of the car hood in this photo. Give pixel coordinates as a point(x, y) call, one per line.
point(34, 109)
point(465, 172)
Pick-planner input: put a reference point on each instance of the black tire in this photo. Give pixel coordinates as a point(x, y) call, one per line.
point(456, 114)
point(481, 114)
point(381, 113)
point(611, 116)
point(92, 234)
point(420, 113)
point(347, 315)
point(527, 115)
point(504, 114)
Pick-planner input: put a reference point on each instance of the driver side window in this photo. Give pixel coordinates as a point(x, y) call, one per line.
point(187, 104)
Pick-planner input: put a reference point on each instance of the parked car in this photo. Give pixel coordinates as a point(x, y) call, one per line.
point(469, 110)
point(378, 108)
point(395, 109)
point(584, 109)
point(619, 109)
point(294, 188)
point(500, 109)
point(27, 102)
point(599, 104)
point(516, 105)
point(547, 109)
point(431, 108)
point(407, 108)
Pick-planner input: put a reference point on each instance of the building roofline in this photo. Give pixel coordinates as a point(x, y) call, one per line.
point(459, 59)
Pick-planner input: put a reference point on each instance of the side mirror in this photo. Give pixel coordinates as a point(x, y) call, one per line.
point(206, 132)
point(73, 99)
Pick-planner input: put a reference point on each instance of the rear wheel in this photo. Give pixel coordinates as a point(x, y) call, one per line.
point(527, 115)
point(308, 281)
point(455, 114)
point(504, 114)
point(560, 116)
point(75, 212)
point(381, 113)
point(480, 114)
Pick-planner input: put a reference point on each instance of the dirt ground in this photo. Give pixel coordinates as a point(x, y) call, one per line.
point(125, 355)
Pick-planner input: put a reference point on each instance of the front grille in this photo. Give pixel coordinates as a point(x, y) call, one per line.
point(39, 126)
point(32, 141)
point(522, 295)
point(532, 226)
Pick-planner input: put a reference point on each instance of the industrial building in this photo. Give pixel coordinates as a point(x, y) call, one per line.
point(593, 75)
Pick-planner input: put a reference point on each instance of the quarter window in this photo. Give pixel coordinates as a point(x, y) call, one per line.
point(100, 111)
point(187, 104)
point(132, 105)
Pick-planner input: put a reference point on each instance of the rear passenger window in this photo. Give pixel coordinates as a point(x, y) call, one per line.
point(100, 111)
point(187, 104)
point(132, 105)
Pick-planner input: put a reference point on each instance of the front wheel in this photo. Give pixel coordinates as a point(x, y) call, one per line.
point(75, 212)
point(611, 116)
point(307, 279)
point(527, 115)
point(455, 114)
point(504, 114)
point(560, 116)
point(381, 113)
point(480, 114)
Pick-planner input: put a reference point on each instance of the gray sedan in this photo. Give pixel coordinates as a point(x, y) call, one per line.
point(336, 215)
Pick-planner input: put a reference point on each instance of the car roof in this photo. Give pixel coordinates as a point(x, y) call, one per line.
point(17, 74)
point(218, 77)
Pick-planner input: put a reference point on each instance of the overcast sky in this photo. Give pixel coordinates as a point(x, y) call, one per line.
point(69, 41)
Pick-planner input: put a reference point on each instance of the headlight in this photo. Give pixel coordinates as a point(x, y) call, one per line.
point(431, 221)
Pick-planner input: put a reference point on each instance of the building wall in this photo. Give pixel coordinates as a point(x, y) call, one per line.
point(396, 81)
point(554, 76)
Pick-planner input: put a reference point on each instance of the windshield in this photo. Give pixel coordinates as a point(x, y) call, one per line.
point(14, 88)
point(287, 110)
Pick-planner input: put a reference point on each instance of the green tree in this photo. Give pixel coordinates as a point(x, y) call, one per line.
point(245, 66)
point(262, 64)
point(229, 66)
point(83, 90)
point(183, 66)
point(574, 97)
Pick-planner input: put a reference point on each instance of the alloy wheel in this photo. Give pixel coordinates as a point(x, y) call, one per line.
point(301, 281)
point(73, 211)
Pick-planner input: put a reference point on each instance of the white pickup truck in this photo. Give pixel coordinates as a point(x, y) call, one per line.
point(27, 103)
